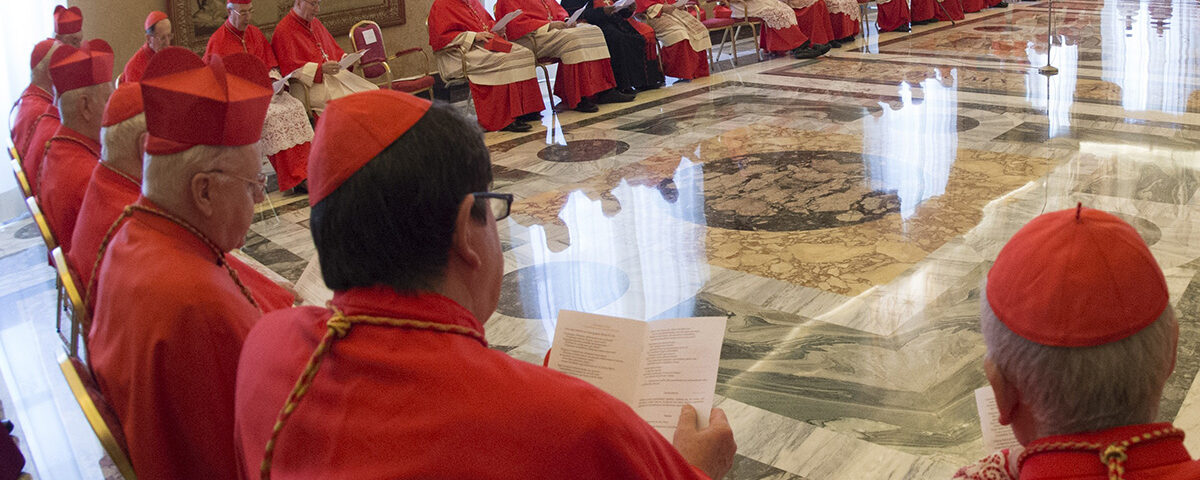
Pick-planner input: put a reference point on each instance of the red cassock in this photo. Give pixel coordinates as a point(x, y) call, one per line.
point(679, 60)
point(136, 67)
point(496, 106)
point(923, 10)
point(1162, 458)
point(108, 193)
point(33, 102)
point(648, 34)
point(43, 128)
point(573, 81)
point(291, 165)
point(814, 21)
point(64, 177)
point(168, 328)
point(893, 15)
point(844, 26)
point(949, 10)
point(390, 402)
point(972, 6)
point(297, 42)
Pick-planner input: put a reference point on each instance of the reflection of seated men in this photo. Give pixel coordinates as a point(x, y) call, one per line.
point(583, 69)
point(1080, 340)
point(306, 50)
point(501, 75)
point(406, 235)
point(287, 132)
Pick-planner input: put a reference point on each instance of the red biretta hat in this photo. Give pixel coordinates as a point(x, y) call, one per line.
point(153, 18)
point(67, 20)
point(189, 103)
point(124, 104)
point(39, 52)
point(72, 68)
point(1076, 278)
point(352, 131)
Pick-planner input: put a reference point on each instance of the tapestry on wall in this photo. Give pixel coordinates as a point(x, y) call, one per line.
point(193, 21)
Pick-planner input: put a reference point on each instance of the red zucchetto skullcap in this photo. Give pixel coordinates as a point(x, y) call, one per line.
point(240, 2)
point(67, 20)
point(124, 104)
point(189, 103)
point(72, 68)
point(153, 18)
point(39, 52)
point(352, 131)
point(1076, 278)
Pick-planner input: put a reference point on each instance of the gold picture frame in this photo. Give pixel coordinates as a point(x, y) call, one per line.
point(193, 21)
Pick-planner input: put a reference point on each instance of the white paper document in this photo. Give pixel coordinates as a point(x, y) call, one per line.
point(995, 435)
point(681, 3)
point(575, 17)
point(503, 22)
point(655, 367)
point(621, 4)
point(350, 58)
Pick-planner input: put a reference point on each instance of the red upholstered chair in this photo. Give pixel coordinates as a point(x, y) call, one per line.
point(373, 66)
point(716, 22)
point(541, 62)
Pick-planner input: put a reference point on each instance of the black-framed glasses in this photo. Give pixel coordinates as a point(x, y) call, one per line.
point(499, 203)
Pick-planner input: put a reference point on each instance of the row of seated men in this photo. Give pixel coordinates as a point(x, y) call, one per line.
point(211, 374)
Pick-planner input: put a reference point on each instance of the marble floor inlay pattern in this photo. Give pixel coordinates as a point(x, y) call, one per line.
point(841, 213)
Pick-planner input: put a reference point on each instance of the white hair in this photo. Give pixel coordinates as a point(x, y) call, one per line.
point(68, 101)
point(166, 178)
point(1071, 390)
point(121, 140)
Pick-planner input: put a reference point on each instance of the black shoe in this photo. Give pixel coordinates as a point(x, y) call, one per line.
point(823, 48)
point(629, 91)
point(834, 44)
point(801, 53)
point(300, 189)
point(904, 28)
point(530, 117)
point(518, 127)
point(846, 40)
point(586, 106)
point(613, 96)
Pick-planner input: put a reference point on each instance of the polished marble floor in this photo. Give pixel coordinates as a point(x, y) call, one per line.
point(841, 213)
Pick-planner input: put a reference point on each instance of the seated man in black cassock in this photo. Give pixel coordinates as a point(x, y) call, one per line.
point(633, 67)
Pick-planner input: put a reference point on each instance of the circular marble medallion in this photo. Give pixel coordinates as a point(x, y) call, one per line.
point(998, 28)
point(540, 291)
point(583, 150)
point(27, 232)
point(790, 191)
point(966, 123)
point(1150, 232)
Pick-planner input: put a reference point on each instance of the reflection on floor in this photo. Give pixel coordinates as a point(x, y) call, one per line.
point(841, 213)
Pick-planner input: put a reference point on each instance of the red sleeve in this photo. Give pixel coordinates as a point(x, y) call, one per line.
point(533, 16)
point(291, 51)
point(449, 18)
point(642, 5)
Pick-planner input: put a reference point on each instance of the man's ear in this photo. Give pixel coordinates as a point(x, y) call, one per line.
point(464, 234)
point(202, 193)
point(1007, 396)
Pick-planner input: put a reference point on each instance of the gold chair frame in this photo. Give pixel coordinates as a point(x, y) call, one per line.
point(387, 68)
point(73, 299)
point(103, 431)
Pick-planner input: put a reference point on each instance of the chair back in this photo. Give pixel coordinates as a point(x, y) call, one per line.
point(40, 220)
point(99, 414)
point(19, 173)
point(366, 35)
point(80, 321)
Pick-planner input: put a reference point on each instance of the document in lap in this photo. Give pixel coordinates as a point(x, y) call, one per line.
point(503, 21)
point(575, 17)
point(655, 367)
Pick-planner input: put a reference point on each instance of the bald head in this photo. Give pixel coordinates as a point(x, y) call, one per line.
point(213, 188)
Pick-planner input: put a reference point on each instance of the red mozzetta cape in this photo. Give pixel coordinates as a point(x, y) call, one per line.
point(297, 42)
point(64, 177)
point(136, 66)
point(449, 18)
point(43, 128)
point(168, 328)
point(389, 402)
point(1165, 458)
point(107, 194)
point(227, 41)
point(33, 102)
point(534, 14)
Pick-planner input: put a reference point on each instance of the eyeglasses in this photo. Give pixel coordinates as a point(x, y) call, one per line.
point(247, 11)
point(500, 209)
point(259, 181)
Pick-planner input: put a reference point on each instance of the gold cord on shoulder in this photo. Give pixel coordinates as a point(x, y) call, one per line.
point(1112, 455)
point(338, 326)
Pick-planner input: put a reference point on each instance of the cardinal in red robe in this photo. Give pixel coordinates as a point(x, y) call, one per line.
point(170, 313)
point(83, 78)
point(36, 98)
point(685, 40)
point(44, 127)
point(893, 16)
point(158, 37)
point(501, 74)
point(399, 362)
point(238, 35)
point(68, 25)
point(116, 183)
point(814, 19)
